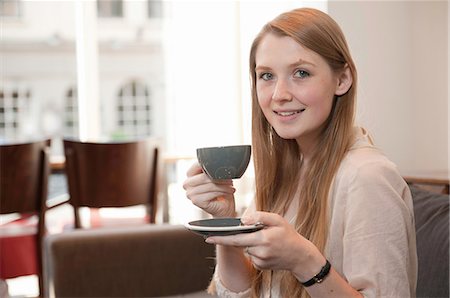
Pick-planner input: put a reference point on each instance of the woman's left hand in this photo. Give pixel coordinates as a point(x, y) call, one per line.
point(277, 247)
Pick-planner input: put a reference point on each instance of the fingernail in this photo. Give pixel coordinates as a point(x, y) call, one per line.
point(209, 240)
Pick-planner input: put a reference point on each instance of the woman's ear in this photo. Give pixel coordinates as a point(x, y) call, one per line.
point(345, 81)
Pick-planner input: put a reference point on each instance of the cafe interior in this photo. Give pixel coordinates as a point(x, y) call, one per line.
point(104, 103)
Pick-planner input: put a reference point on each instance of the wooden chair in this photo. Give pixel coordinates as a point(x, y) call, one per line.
point(24, 171)
point(116, 174)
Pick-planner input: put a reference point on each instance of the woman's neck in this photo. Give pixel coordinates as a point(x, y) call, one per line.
point(306, 156)
point(306, 147)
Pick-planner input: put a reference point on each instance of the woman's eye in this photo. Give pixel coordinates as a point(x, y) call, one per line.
point(301, 74)
point(266, 76)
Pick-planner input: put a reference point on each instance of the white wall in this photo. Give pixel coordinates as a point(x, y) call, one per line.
point(400, 49)
point(202, 75)
point(207, 45)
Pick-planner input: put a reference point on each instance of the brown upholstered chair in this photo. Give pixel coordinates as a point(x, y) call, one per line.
point(24, 170)
point(114, 174)
point(155, 260)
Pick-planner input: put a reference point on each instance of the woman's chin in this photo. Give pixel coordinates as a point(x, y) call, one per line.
point(287, 135)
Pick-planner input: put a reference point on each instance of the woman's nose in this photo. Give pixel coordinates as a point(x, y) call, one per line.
point(282, 91)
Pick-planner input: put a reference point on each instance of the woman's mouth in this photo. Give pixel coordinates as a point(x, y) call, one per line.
point(288, 113)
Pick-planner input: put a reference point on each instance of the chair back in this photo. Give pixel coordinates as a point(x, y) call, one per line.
point(146, 261)
point(116, 174)
point(24, 171)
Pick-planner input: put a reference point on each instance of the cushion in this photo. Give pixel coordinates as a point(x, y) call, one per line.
point(431, 212)
point(18, 246)
point(18, 256)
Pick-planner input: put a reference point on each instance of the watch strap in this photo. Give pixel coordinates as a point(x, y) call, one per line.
point(319, 277)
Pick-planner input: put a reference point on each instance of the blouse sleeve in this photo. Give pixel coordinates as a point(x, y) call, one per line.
point(223, 292)
point(379, 255)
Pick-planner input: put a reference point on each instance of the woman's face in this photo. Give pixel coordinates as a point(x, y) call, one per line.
point(295, 88)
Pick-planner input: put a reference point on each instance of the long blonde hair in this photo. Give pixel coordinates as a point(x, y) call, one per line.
point(277, 161)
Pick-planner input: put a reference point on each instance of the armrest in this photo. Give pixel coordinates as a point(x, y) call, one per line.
point(149, 260)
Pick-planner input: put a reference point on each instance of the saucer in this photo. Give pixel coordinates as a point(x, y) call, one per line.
point(221, 227)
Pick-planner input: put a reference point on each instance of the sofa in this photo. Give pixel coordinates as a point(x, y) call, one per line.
point(168, 260)
point(431, 211)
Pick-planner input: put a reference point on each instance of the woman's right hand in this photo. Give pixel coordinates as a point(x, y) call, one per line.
point(215, 197)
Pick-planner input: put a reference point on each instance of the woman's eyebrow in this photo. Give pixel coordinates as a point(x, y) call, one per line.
point(297, 63)
point(261, 68)
point(302, 62)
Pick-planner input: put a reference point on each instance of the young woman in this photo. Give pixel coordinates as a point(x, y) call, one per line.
point(338, 216)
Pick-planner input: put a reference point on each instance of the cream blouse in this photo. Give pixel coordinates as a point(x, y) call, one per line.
point(371, 240)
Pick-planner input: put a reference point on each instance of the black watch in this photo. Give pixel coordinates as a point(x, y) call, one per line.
point(319, 277)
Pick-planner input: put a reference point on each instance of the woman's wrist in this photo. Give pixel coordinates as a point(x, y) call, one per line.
point(311, 266)
point(319, 277)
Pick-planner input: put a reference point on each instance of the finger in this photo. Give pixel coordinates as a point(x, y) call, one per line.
point(200, 199)
point(196, 180)
point(212, 191)
point(194, 169)
point(193, 181)
point(203, 180)
point(204, 194)
point(239, 240)
point(259, 217)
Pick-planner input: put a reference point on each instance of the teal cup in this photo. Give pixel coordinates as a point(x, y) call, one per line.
point(225, 162)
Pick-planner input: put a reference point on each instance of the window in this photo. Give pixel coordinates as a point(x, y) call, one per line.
point(155, 9)
point(110, 8)
point(134, 110)
point(14, 106)
point(10, 8)
point(71, 113)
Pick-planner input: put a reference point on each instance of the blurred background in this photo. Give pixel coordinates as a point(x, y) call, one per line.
point(178, 70)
